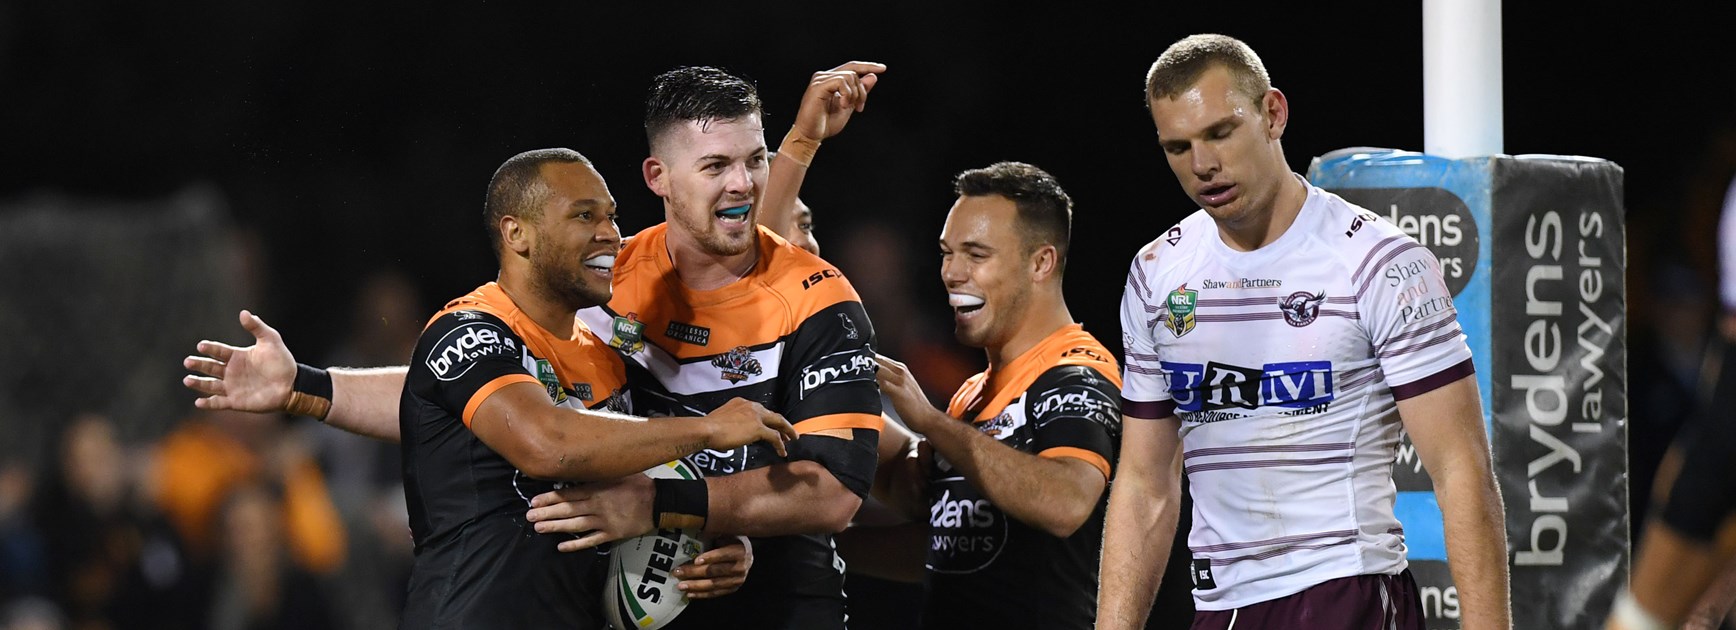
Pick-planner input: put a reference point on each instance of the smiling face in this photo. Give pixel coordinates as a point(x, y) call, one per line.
point(1224, 146)
point(710, 174)
point(572, 253)
point(985, 266)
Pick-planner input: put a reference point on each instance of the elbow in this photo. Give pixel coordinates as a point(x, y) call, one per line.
point(1064, 522)
point(837, 512)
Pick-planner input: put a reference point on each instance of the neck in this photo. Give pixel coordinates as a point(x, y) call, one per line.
point(549, 313)
point(1267, 224)
point(701, 270)
point(1038, 322)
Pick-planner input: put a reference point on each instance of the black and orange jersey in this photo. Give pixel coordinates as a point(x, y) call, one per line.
point(479, 564)
point(790, 335)
point(1061, 398)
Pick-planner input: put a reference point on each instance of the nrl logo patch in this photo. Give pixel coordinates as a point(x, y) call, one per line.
point(737, 365)
point(546, 374)
point(1180, 304)
point(1301, 308)
point(627, 334)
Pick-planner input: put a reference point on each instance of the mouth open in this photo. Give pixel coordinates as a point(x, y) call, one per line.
point(964, 304)
point(1218, 195)
point(602, 265)
point(735, 215)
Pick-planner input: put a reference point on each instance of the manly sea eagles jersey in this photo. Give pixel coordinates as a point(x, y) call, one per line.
point(790, 335)
point(1285, 365)
point(479, 564)
point(1061, 398)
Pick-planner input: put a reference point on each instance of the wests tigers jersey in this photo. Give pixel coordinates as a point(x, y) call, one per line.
point(1061, 398)
point(479, 564)
point(790, 335)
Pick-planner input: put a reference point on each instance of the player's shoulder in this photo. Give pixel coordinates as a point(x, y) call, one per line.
point(1074, 390)
point(806, 282)
point(638, 249)
point(458, 337)
point(1175, 242)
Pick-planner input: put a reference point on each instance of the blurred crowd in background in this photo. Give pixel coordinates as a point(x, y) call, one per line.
point(323, 164)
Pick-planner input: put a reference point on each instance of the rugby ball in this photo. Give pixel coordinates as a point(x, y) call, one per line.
point(640, 592)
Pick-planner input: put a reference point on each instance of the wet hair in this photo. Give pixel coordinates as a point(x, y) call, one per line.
point(517, 188)
point(1180, 67)
point(701, 94)
point(1045, 211)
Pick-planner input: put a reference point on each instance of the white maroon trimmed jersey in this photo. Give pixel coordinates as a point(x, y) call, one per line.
point(1285, 365)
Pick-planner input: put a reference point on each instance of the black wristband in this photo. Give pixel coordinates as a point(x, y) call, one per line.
point(680, 503)
point(311, 395)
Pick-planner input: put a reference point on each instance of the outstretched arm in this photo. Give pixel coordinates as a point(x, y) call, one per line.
point(261, 378)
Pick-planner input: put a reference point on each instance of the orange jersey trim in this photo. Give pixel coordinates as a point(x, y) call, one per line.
point(1080, 454)
point(493, 386)
point(840, 421)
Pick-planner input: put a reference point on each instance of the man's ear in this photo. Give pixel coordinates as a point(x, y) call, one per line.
point(1277, 109)
point(516, 236)
point(656, 176)
point(1045, 263)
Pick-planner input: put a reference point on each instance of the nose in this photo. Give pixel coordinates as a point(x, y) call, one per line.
point(609, 233)
point(952, 271)
point(740, 180)
point(1205, 160)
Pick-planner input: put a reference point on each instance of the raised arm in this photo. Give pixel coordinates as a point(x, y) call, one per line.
point(832, 97)
point(1446, 424)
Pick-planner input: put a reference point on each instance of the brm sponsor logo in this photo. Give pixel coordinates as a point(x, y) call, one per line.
point(1076, 401)
point(456, 351)
point(1213, 386)
point(854, 366)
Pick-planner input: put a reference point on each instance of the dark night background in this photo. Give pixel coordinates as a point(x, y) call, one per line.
point(342, 139)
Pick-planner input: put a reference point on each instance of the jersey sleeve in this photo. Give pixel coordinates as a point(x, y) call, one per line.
point(462, 358)
point(1144, 387)
point(1076, 413)
point(831, 383)
point(1411, 321)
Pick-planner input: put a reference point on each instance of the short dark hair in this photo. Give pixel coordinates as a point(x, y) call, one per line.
point(517, 188)
point(1045, 210)
point(1180, 67)
point(697, 94)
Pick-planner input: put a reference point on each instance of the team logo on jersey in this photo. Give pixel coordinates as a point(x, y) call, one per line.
point(849, 326)
point(546, 373)
point(737, 365)
point(1301, 308)
point(1181, 310)
point(627, 334)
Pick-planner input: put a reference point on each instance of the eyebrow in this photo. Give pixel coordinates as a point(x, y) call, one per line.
point(970, 245)
point(719, 156)
point(1230, 120)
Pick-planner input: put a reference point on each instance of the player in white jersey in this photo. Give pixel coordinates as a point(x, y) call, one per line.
point(1278, 341)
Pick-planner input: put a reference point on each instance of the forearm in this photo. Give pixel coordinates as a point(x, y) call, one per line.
point(602, 445)
point(1137, 533)
point(778, 202)
point(798, 497)
point(1476, 538)
point(1050, 494)
point(1671, 571)
point(365, 401)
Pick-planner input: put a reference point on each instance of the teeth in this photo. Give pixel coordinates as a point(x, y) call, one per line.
point(605, 262)
point(958, 300)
